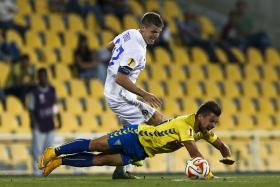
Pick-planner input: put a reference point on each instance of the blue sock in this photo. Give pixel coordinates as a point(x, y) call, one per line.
point(76, 146)
point(78, 160)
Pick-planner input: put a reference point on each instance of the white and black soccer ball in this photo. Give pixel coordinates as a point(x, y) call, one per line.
point(197, 168)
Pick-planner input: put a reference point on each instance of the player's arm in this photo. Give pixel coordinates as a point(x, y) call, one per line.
point(192, 148)
point(123, 80)
point(225, 151)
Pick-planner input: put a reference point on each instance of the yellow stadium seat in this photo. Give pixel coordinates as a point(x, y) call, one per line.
point(254, 56)
point(13, 36)
point(206, 25)
point(177, 73)
point(92, 23)
point(97, 88)
point(130, 22)
point(171, 107)
point(272, 56)
point(66, 55)
point(52, 40)
point(73, 106)
point(108, 122)
point(266, 107)
point(215, 72)
point(212, 90)
point(171, 10)
point(107, 37)
point(251, 73)
point(162, 56)
point(37, 23)
point(14, 105)
point(152, 5)
point(194, 89)
point(179, 160)
point(156, 88)
point(24, 7)
point(174, 89)
point(238, 54)
point(93, 106)
point(5, 160)
point(153, 165)
point(196, 72)
point(24, 123)
point(1, 108)
point(9, 123)
point(62, 72)
point(231, 89)
point(190, 106)
point(228, 106)
point(114, 22)
point(199, 56)
point(69, 123)
point(75, 23)
point(136, 7)
point(143, 76)
point(71, 40)
point(245, 121)
point(149, 58)
point(221, 55)
point(159, 72)
point(5, 70)
point(33, 40)
point(181, 56)
point(269, 89)
point(250, 89)
point(247, 106)
point(33, 57)
point(233, 72)
point(226, 122)
point(78, 88)
point(93, 40)
point(49, 56)
point(60, 88)
point(265, 122)
point(56, 23)
point(41, 7)
point(270, 73)
point(89, 123)
point(21, 158)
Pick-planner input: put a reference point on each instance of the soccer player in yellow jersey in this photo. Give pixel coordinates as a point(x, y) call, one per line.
point(136, 142)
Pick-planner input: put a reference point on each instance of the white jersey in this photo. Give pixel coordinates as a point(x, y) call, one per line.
point(129, 57)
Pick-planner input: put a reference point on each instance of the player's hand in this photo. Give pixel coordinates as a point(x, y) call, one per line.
point(152, 100)
point(227, 161)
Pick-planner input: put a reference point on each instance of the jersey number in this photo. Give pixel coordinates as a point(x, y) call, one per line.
point(117, 52)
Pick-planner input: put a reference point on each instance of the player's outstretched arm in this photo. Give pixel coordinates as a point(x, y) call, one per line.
point(125, 82)
point(225, 151)
point(192, 149)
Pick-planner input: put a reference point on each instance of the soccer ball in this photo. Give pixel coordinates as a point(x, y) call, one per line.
point(197, 168)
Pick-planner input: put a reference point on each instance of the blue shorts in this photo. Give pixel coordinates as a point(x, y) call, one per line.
point(126, 142)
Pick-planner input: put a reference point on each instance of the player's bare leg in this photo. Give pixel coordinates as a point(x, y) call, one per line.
point(156, 119)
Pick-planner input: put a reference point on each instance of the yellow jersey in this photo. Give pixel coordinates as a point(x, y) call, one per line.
point(168, 136)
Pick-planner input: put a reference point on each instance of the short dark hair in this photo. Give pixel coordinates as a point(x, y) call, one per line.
point(152, 18)
point(42, 71)
point(209, 107)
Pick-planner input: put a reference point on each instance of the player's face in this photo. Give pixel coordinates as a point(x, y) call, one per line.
point(208, 122)
point(150, 33)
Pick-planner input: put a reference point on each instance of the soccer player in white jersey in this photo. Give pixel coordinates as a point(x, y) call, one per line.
point(127, 61)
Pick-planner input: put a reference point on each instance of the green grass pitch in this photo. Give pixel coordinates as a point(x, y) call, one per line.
point(229, 180)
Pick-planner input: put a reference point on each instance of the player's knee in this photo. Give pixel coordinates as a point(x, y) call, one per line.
point(156, 119)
